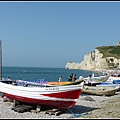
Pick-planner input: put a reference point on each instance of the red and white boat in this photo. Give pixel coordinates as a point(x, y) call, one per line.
point(61, 97)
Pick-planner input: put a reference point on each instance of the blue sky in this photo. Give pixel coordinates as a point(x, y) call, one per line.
point(50, 34)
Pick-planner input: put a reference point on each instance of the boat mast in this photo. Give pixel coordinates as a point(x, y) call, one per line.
point(0, 60)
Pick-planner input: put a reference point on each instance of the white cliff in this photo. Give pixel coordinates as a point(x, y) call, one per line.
point(94, 61)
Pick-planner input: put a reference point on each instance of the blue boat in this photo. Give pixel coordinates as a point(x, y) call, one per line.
point(114, 83)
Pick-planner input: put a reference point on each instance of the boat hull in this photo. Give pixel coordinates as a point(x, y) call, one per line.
point(78, 81)
point(58, 83)
point(111, 78)
point(97, 80)
point(102, 90)
point(61, 97)
point(100, 78)
point(114, 84)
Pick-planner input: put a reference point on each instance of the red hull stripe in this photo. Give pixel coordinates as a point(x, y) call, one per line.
point(50, 103)
point(66, 95)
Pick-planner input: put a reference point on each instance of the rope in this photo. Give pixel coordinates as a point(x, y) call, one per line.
point(77, 115)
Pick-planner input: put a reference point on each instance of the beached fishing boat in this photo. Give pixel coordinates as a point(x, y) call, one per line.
point(97, 80)
point(93, 90)
point(100, 78)
point(112, 78)
point(78, 81)
point(42, 81)
point(114, 84)
point(61, 97)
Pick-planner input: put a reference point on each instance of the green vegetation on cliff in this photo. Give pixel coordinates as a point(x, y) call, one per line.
point(110, 51)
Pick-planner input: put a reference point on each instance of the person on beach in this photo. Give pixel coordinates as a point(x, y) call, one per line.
point(70, 77)
point(60, 79)
point(74, 78)
point(89, 80)
point(118, 75)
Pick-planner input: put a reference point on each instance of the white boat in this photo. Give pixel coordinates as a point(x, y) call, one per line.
point(111, 78)
point(109, 85)
point(113, 83)
point(98, 77)
point(97, 80)
point(61, 97)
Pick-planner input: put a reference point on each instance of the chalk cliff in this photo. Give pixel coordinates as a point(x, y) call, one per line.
point(96, 60)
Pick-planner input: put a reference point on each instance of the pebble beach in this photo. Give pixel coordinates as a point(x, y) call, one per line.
point(87, 106)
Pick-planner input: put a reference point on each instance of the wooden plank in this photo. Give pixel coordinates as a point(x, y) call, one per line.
point(54, 112)
point(59, 112)
point(23, 108)
point(38, 108)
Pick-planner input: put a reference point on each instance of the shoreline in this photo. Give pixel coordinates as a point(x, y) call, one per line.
point(87, 106)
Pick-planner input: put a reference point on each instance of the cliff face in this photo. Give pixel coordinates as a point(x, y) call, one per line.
point(95, 61)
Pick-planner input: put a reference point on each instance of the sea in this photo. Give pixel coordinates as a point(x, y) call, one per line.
point(36, 73)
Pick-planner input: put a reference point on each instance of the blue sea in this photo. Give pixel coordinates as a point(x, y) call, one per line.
point(36, 73)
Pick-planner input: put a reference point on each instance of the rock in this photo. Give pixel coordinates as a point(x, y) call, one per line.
point(87, 98)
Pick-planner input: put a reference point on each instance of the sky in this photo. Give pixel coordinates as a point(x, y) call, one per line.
point(50, 34)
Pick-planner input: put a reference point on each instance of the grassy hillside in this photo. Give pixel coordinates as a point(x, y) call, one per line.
point(110, 51)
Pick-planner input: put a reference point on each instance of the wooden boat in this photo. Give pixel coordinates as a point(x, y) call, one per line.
point(112, 78)
point(58, 83)
point(107, 91)
point(97, 80)
point(114, 84)
point(61, 97)
point(100, 78)
point(78, 81)
point(109, 85)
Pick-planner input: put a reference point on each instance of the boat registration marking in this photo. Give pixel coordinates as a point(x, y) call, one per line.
point(53, 88)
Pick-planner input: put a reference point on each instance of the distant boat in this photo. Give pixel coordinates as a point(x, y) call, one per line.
point(61, 97)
